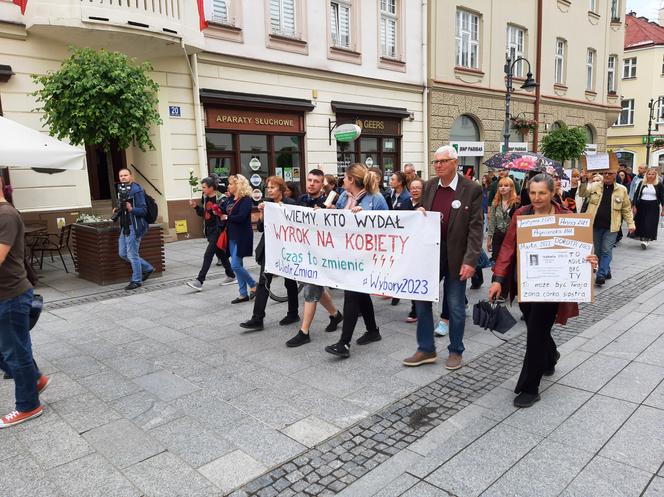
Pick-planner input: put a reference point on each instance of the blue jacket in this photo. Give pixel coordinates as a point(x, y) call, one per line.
point(239, 225)
point(403, 200)
point(370, 202)
point(137, 216)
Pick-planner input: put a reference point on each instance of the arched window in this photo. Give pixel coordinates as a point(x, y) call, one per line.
point(626, 157)
point(465, 129)
point(590, 133)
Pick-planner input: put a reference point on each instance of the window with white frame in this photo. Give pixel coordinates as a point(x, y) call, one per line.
point(626, 116)
point(340, 23)
point(592, 6)
point(559, 61)
point(629, 68)
point(615, 9)
point(220, 12)
point(389, 21)
point(590, 69)
point(467, 39)
point(611, 74)
point(659, 103)
point(515, 42)
point(663, 65)
point(282, 18)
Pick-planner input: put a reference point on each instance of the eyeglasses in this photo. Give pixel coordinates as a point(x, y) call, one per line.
point(441, 161)
point(608, 174)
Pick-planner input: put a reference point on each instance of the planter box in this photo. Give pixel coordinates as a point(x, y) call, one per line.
point(96, 252)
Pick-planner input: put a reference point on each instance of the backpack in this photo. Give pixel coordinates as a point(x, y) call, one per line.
point(152, 209)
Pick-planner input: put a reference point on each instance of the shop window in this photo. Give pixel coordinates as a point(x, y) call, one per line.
point(465, 129)
point(626, 157)
point(373, 151)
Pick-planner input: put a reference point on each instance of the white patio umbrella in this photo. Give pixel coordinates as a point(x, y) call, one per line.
point(21, 146)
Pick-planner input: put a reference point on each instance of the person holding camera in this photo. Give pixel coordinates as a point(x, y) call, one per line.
point(16, 296)
point(132, 212)
point(211, 213)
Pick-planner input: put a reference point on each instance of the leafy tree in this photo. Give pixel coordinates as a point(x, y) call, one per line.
point(100, 98)
point(564, 143)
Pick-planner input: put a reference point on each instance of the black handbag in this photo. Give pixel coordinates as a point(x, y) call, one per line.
point(493, 316)
point(35, 309)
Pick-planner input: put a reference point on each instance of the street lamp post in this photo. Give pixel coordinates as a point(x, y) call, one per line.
point(651, 107)
point(528, 85)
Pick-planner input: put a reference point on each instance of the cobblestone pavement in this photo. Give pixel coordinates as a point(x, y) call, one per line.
point(159, 393)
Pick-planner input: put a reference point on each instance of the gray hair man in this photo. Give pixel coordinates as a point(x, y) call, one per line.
point(458, 202)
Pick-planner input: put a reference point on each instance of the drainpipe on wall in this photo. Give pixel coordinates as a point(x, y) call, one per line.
point(425, 92)
point(192, 63)
point(538, 75)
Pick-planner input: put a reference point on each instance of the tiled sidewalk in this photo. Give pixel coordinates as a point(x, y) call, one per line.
point(160, 393)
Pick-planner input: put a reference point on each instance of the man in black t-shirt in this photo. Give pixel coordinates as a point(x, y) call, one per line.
point(15, 302)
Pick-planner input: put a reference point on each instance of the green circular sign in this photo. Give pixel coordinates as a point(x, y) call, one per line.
point(347, 132)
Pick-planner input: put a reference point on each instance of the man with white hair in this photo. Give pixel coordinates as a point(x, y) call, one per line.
point(459, 202)
point(410, 173)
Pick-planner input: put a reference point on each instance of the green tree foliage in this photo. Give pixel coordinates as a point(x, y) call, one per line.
point(100, 98)
point(564, 144)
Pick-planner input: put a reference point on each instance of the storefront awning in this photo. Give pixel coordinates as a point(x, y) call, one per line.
point(229, 98)
point(369, 110)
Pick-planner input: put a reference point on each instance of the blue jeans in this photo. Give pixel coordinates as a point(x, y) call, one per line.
point(244, 279)
point(604, 240)
point(454, 293)
point(16, 350)
point(128, 249)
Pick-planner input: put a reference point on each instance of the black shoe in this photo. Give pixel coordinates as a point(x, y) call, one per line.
point(368, 337)
point(551, 372)
point(339, 349)
point(608, 276)
point(526, 399)
point(334, 322)
point(219, 263)
point(146, 275)
point(253, 324)
point(475, 287)
point(289, 320)
point(395, 302)
point(239, 300)
point(600, 280)
point(252, 295)
point(300, 339)
point(7, 377)
point(133, 285)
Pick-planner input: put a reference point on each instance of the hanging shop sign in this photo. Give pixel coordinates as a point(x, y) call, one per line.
point(347, 132)
point(255, 164)
point(591, 149)
point(255, 179)
point(469, 149)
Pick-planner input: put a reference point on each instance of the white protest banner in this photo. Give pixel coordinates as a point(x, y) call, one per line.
point(393, 253)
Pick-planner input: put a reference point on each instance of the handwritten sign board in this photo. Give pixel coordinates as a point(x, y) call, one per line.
point(551, 252)
point(599, 163)
point(370, 251)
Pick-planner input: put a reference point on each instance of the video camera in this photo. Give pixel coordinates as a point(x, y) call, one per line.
point(123, 190)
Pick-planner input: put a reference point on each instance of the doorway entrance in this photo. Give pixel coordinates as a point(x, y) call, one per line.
point(103, 169)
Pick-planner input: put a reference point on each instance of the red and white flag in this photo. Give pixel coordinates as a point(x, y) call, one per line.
point(201, 14)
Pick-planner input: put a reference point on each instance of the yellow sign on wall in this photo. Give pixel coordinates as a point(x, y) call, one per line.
point(181, 226)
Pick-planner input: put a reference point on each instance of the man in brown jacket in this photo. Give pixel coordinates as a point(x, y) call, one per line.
point(459, 202)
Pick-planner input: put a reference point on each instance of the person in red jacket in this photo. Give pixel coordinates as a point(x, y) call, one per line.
point(541, 353)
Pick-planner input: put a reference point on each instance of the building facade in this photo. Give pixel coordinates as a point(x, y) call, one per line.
point(641, 70)
point(253, 87)
point(570, 46)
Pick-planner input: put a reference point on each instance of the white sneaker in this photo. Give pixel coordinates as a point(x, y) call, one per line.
point(644, 245)
point(227, 281)
point(442, 329)
point(468, 310)
point(196, 285)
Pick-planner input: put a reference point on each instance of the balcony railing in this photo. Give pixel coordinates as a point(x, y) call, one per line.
point(154, 15)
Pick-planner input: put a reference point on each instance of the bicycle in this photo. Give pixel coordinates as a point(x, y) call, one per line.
point(280, 294)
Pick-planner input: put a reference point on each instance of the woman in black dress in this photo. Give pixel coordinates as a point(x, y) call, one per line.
point(648, 207)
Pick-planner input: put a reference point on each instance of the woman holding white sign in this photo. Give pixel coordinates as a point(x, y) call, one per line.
point(360, 193)
point(541, 353)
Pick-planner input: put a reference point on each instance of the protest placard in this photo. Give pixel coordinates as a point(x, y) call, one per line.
point(551, 252)
point(393, 253)
point(599, 163)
